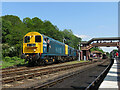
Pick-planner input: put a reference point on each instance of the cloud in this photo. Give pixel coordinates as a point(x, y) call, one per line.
point(108, 49)
point(81, 36)
point(84, 37)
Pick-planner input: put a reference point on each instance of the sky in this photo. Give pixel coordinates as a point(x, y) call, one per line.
point(86, 19)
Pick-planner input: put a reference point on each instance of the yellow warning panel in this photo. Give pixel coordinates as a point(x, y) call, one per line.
point(66, 49)
point(31, 46)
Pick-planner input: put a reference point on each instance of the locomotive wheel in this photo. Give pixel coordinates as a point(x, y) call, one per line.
point(30, 63)
point(40, 62)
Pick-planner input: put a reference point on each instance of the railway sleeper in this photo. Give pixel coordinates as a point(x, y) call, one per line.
point(13, 74)
point(46, 72)
point(12, 79)
point(19, 78)
point(38, 74)
point(8, 80)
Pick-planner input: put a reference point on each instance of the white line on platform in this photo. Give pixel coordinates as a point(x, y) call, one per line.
point(110, 80)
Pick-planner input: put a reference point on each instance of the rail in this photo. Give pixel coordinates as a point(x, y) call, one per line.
point(95, 84)
point(55, 81)
point(20, 75)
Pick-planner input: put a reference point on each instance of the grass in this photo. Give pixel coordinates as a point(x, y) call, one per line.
point(73, 62)
point(11, 61)
point(1, 63)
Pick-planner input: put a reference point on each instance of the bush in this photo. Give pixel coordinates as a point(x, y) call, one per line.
point(14, 58)
point(10, 61)
point(7, 59)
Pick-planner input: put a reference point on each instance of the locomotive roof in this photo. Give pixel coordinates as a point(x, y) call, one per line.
point(57, 41)
point(33, 33)
point(37, 33)
point(53, 39)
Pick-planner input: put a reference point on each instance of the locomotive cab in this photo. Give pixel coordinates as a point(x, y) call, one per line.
point(32, 46)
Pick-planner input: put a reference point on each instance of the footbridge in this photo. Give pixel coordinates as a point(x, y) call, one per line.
point(98, 42)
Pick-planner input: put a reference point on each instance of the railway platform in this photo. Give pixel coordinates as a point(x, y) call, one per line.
point(112, 80)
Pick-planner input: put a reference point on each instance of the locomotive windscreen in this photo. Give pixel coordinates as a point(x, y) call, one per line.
point(38, 38)
point(27, 39)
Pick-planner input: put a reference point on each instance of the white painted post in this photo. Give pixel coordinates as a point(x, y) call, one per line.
point(79, 52)
point(84, 58)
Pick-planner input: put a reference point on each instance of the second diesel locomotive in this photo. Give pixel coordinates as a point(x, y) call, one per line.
point(41, 49)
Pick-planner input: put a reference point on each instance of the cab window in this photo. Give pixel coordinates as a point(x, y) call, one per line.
point(27, 39)
point(37, 38)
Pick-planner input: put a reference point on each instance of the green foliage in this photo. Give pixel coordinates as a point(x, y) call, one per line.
point(15, 58)
point(13, 31)
point(97, 49)
point(71, 39)
point(7, 59)
point(28, 22)
point(108, 54)
point(115, 50)
point(10, 61)
point(8, 50)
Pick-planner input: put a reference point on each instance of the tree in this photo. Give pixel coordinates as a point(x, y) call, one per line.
point(13, 31)
point(28, 22)
point(37, 23)
point(6, 28)
point(97, 49)
point(15, 20)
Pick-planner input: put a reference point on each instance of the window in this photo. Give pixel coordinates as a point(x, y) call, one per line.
point(27, 39)
point(37, 38)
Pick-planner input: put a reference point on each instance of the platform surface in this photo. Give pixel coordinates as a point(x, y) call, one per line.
point(112, 80)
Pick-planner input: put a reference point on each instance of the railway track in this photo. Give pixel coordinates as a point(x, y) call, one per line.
point(36, 72)
point(19, 68)
point(96, 83)
point(15, 68)
point(17, 75)
point(58, 80)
